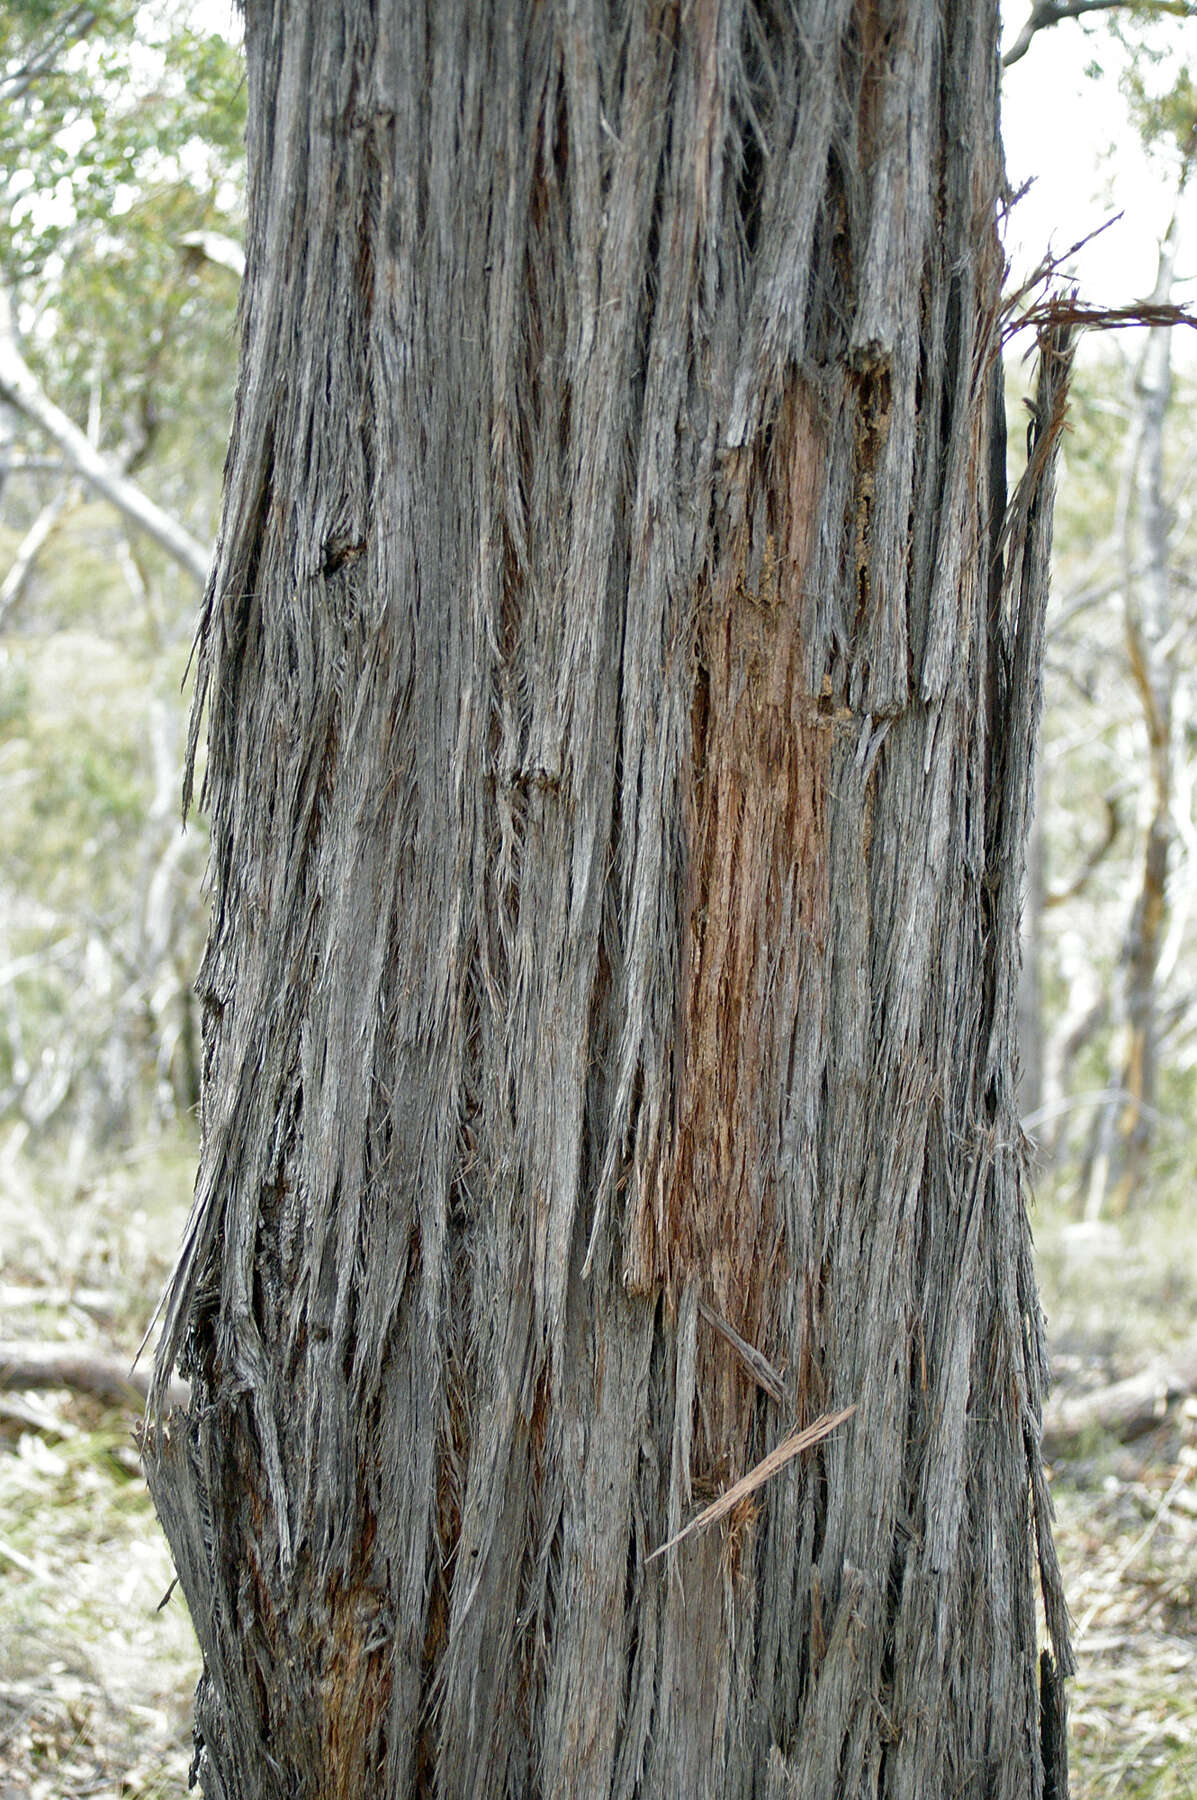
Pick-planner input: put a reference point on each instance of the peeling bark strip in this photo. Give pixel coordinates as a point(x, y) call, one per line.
point(621, 673)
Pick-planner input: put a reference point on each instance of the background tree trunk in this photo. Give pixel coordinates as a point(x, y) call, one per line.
point(1125, 1129)
point(622, 674)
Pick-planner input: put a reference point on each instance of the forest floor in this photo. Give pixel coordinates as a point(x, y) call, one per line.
point(96, 1674)
point(1117, 1296)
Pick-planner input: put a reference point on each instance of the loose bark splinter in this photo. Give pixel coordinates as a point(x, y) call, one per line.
point(756, 1477)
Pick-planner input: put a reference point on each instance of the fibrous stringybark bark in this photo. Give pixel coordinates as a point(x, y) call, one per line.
point(621, 667)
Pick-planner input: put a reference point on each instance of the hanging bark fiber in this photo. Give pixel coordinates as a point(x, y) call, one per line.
point(621, 671)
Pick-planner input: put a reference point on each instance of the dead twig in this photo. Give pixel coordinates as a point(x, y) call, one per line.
point(754, 1360)
point(1068, 310)
point(756, 1477)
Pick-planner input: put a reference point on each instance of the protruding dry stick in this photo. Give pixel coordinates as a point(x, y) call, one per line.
point(757, 1364)
point(756, 1477)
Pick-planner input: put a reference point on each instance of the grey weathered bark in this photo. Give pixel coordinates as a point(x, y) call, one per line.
point(1031, 1050)
point(621, 667)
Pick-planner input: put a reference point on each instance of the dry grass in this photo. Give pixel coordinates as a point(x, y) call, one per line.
point(1128, 1537)
point(95, 1681)
point(1117, 1295)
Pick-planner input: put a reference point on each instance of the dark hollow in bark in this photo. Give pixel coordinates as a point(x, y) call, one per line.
point(621, 665)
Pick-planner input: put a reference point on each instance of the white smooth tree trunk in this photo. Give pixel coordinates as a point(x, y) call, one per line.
point(621, 668)
point(19, 387)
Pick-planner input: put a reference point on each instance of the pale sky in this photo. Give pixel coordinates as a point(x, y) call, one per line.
point(1073, 135)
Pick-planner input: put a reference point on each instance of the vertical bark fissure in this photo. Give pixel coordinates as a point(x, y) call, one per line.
point(618, 700)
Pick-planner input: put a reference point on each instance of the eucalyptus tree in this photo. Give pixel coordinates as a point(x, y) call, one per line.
point(1116, 924)
point(621, 668)
point(119, 143)
point(1156, 622)
point(1126, 1123)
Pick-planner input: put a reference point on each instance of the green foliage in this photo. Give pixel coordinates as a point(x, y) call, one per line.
point(14, 694)
point(121, 127)
point(1156, 80)
point(128, 141)
point(105, 988)
point(136, 101)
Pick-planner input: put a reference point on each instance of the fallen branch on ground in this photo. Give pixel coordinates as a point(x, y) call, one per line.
point(1125, 1409)
point(24, 1367)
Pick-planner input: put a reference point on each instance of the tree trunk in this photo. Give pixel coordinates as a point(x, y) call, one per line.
point(1031, 1052)
point(622, 675)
